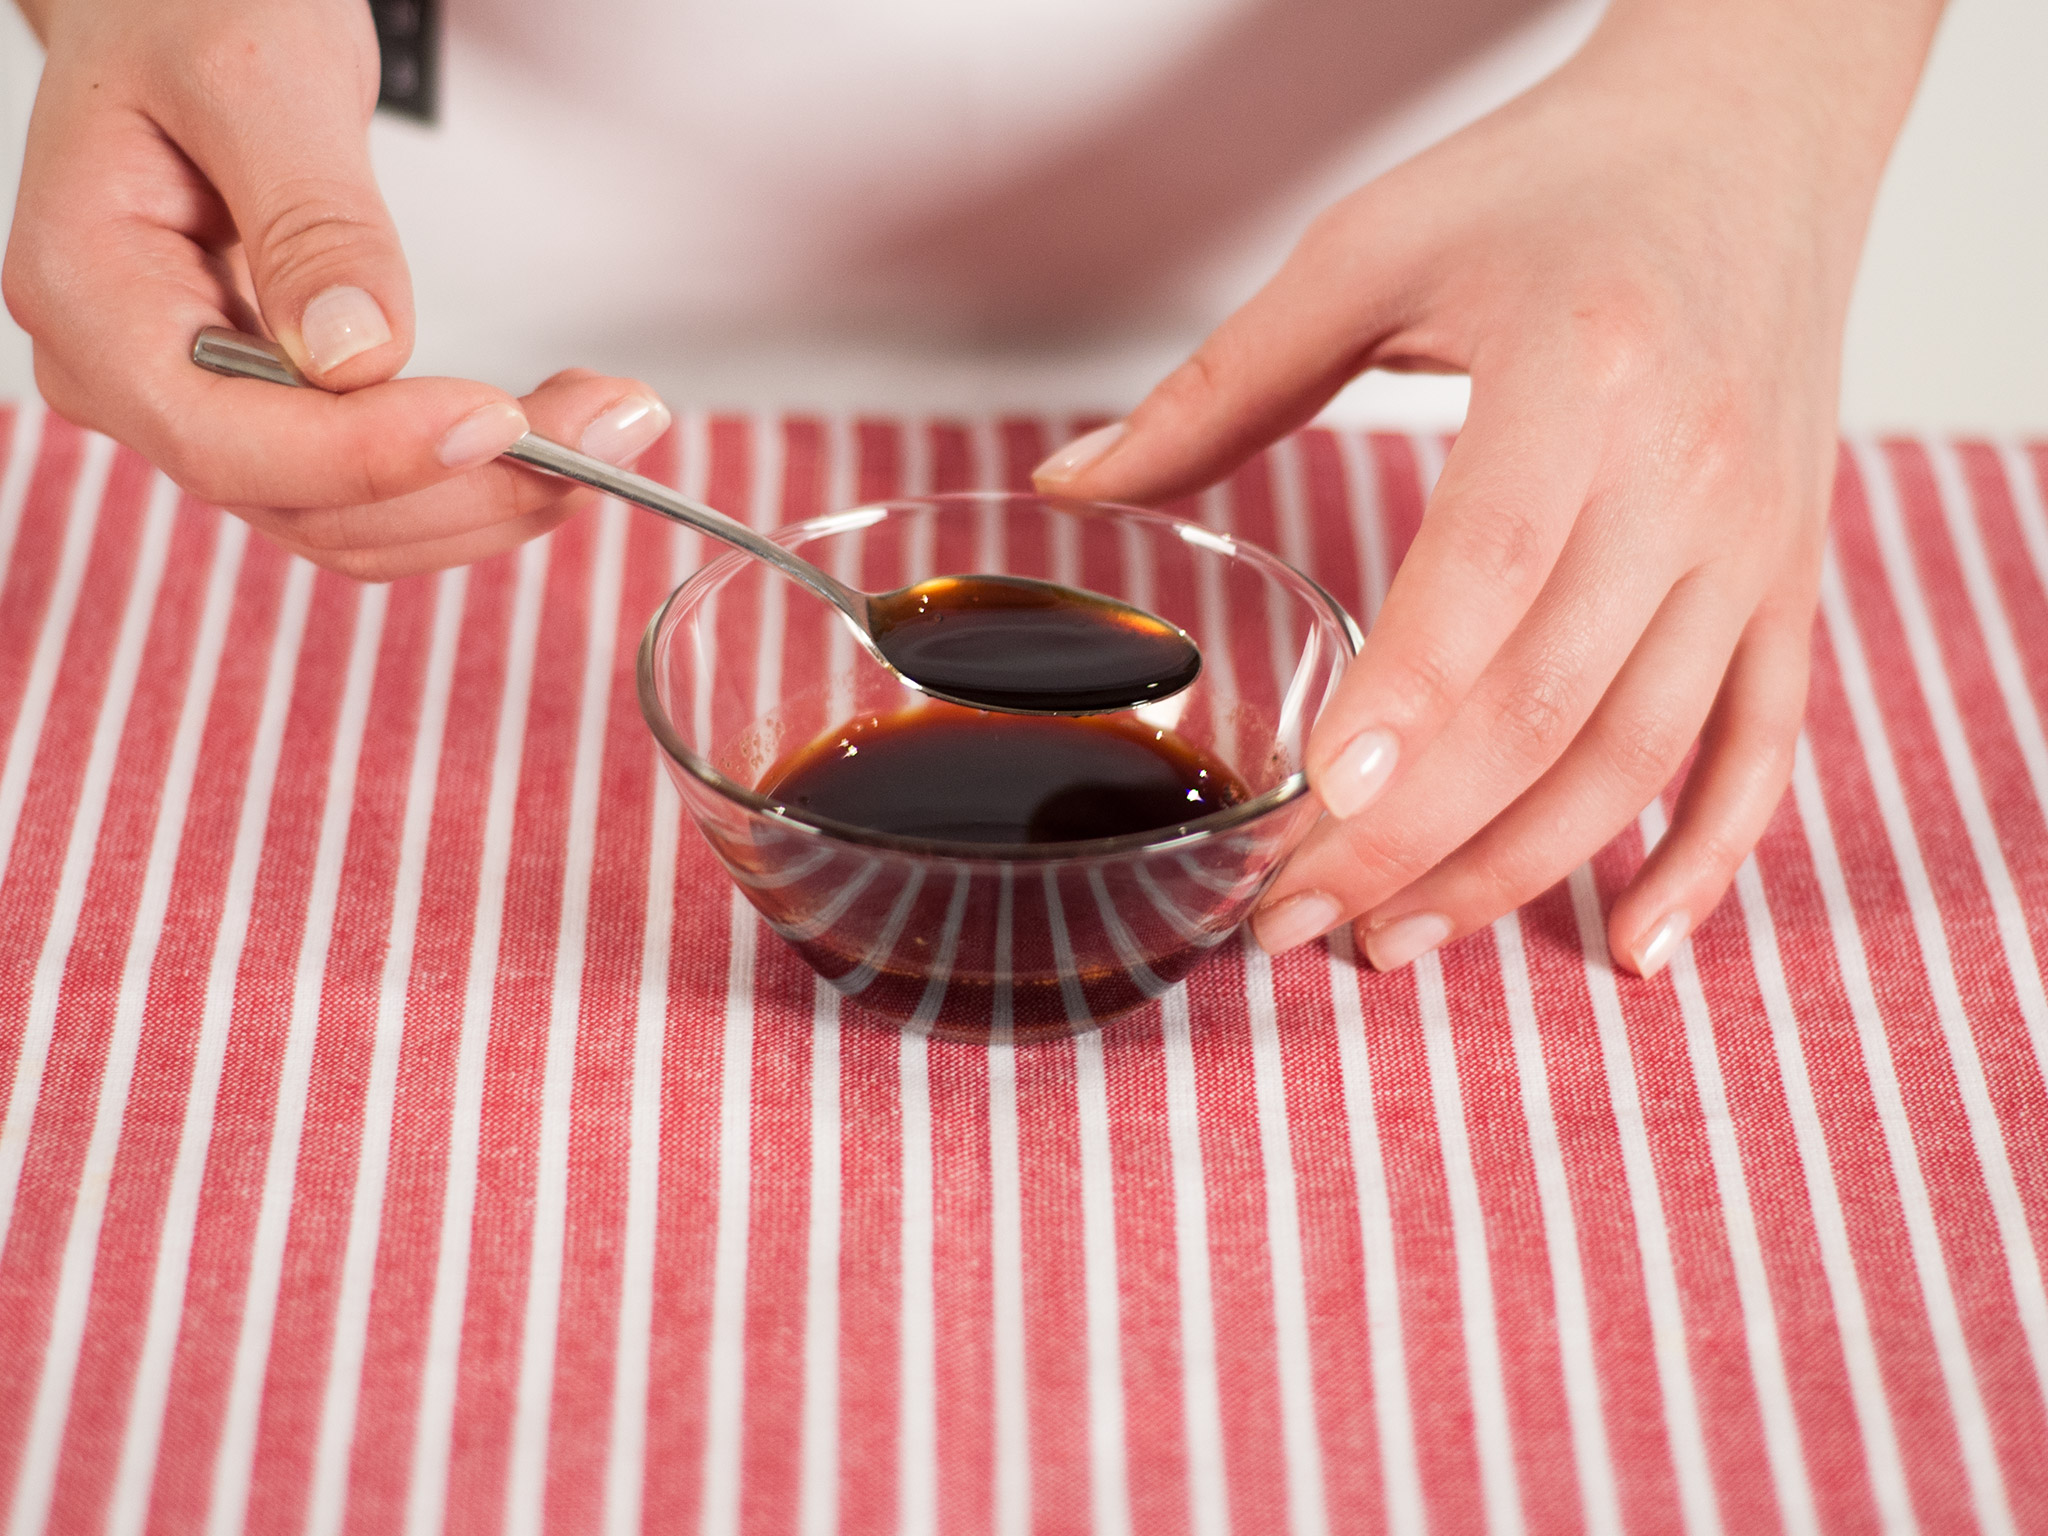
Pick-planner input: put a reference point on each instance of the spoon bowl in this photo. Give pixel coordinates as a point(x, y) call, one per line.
point(1005, 643)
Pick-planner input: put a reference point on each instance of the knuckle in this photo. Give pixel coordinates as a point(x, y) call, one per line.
point(1613, 336)
point(314, 228)
point(1537, 716)
point(1505, 547)
point(1194, 386)
point(1426, 675)
point(1644, 752)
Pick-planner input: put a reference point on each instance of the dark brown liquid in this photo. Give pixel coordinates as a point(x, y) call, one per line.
point(1007, 642)
point(959, 775)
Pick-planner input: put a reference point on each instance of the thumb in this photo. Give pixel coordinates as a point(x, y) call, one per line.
point(1265, 371)
point(282, 134)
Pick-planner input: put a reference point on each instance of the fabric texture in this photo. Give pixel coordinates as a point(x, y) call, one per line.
point(406, 1127)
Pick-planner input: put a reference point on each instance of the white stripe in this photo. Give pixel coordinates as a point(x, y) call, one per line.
point(68, 903)
point(819, 1477)
point(2029, 511)
point(80, 520)
point(2008, 912)
point(1400, 1470)
point(441, 1363)
point(1973, 1428)
point(725, 1363)
point(2003, 651)
point(1011, 1406)
point(1429, 463)
point(24, 448)
point(1308, 1511)
point(1290, 508)
point(626, 1465)
point(81, 1247)
point(1653, 1239)
point(526, 1480)
point(231, 1471)
point(917, 1392)
point(328, 1490)
point(1578, 1362)
point(1011, 1402)
point(1491, 1434)
point(1368, 520)
point(1108, 1476)
point(1745, 1250)
point(129, 1507)
point(1227, 725)
point(1201, 1399)
point(1880, 1441)
point(841, 449)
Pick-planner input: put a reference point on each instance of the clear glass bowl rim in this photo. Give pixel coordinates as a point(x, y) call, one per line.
point(1186, 836)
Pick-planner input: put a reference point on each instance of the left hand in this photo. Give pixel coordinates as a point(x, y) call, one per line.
point(1644, 265)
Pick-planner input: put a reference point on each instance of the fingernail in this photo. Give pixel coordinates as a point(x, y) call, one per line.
point(1358, 773)
point(1078, 455)
point(627, 430)
point(482, 435)
point(1394, 944)
point(338, 324)
point(1654, 951)
point(1308, 915)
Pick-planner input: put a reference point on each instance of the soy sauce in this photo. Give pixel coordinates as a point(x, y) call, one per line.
point(1010, 643)
point(960, 775)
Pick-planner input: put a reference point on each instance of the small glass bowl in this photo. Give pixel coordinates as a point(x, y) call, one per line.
point(741, 667)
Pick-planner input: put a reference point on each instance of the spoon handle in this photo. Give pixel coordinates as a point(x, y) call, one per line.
point(250, 357)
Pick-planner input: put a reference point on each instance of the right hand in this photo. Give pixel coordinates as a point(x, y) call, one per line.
point(205, 162)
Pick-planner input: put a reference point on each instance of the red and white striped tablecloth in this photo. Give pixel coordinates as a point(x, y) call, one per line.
point(406, 1129)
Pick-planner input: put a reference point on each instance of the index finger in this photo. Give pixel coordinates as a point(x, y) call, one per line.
point(1511, 489)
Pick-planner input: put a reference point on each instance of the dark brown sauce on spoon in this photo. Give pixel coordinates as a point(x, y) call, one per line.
point(938, 771)
point(1010, 643)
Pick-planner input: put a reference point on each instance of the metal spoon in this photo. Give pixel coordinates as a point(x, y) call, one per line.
point(1005, 643)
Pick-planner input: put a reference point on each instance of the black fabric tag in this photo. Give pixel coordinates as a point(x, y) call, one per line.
point(409, 37)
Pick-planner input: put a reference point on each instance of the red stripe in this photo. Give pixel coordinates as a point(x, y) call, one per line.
point(1983, 1294)
point(1240, 1268)
point(87, 1004)
point(330, 1150)
point(1525, 1307)
point(1632, 1399)
point(1696, 1223)
point(688, 1194)
point(871, 1200)
point(780, 1177)
point(409, 1229)
point(1055, 1304)
point(63, 1111)
point(1148, 1279)
point(494, 1307)
point(1809, 1334)
point(1927, 1435)
point(2020, 589)
point(1432, 1326)
point(240, 1142)
point(58, 757)
point(1334, 1257)
point(32, 571)
point(963, 1288)
point(579, 1420)
point(177, 980)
